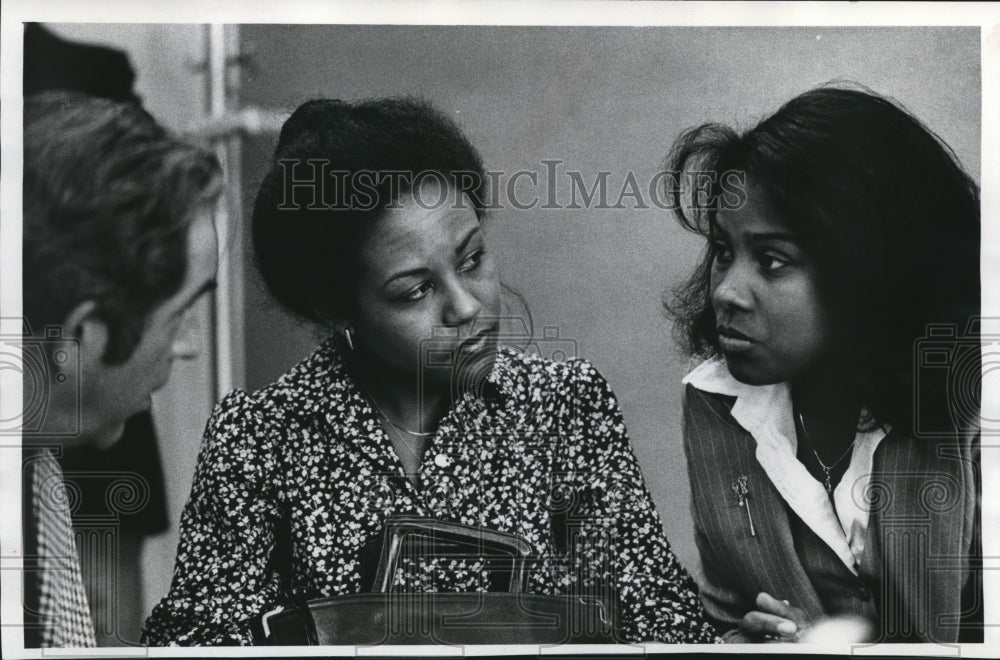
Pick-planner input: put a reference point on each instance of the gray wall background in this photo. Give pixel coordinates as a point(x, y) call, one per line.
point(598, 99)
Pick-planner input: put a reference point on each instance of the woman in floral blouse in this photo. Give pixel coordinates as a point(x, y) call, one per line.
point(411, 406)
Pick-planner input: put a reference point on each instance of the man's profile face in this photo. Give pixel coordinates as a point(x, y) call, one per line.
point(116, 392)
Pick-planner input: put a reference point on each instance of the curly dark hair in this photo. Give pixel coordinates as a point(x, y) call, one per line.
point(336, 169)
point(889, 215)
point(108, 195)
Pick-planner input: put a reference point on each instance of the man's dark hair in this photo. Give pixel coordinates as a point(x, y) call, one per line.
point(108, 200)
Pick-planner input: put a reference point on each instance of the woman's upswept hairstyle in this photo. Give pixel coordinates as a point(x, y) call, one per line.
point(892, 222)
point(108, 201)
point(337, 167)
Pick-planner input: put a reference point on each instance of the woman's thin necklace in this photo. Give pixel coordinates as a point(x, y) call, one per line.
point(827, 483)
point(399, 431)
point(403, 441)
point(398, 427)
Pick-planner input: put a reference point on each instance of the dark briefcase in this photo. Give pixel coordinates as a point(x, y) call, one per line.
point(492, 617)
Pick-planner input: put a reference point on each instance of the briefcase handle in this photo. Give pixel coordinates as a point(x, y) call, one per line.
point(484, 541)
point(396, 531)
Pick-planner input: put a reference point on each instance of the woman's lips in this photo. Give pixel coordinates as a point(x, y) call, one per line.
point(476, 344)
point(734, 341)
point(474, 347)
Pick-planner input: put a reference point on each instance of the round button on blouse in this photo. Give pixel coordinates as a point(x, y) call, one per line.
point(442, 461)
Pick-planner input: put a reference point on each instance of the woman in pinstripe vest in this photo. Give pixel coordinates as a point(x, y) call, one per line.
point(832, 429)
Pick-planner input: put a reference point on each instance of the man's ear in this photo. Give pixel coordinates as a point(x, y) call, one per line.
point(90, 332)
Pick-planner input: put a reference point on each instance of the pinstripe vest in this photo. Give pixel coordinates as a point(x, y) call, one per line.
point(922, 532)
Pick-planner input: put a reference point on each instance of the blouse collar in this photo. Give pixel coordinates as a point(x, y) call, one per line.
point(326, 379)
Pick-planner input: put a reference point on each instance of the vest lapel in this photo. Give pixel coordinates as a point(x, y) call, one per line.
point(719, 454)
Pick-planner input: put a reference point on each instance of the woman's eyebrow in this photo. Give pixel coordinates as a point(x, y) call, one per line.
point(715, 230)
point(405, 273)
point(422, 270)
point(465, 241)
point(773, 236)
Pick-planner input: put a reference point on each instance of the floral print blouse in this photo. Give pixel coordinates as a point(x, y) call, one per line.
point(294, 480)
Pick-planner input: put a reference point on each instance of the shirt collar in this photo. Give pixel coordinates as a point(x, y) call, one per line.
point(504, 378)
point(755, 404)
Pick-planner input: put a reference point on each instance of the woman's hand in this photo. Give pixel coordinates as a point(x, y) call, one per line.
point(773, 620)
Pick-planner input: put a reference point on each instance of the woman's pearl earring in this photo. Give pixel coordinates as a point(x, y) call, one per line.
point(348, 338)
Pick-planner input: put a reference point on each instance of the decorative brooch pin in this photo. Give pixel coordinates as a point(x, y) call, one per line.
point(743, 499)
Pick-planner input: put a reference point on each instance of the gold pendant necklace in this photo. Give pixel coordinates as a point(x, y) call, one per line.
point(827, 483)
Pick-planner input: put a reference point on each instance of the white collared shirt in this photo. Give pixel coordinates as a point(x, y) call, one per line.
point(765, 411)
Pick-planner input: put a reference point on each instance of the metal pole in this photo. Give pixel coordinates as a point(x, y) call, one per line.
point(228, 298)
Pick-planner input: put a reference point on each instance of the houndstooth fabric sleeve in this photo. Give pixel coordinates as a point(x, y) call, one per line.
point(63, 610)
